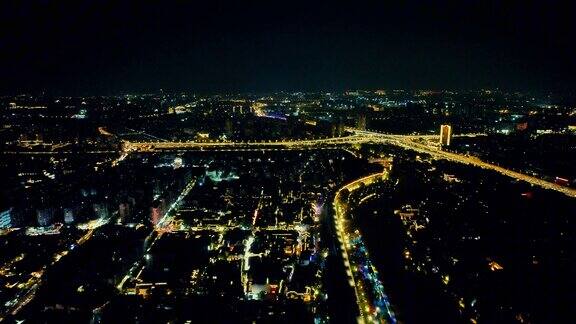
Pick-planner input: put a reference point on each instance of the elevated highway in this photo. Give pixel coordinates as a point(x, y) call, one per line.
point(161, 146)
point(419, 143)
point(355, 137)
point(437, 153)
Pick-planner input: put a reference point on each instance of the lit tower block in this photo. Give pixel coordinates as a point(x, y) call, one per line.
point(445, 135)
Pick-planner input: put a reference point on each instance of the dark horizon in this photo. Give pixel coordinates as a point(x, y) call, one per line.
point(108, 48)
point(559, 97)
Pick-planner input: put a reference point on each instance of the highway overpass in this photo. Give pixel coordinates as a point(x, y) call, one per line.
point(410, 142)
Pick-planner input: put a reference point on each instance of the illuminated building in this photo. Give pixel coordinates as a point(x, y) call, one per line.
point(229, 127)
point(522, 126)
point(6, 218)
point(155, 215)
point(445, 135)
point(177, 163)
point(69, 215)
point(157, 211)
point(45, 216)
point(361, 122)
point(101, 210)
point(123, 210)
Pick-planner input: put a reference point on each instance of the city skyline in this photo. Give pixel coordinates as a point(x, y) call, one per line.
point(354, 206)
point(287, 162)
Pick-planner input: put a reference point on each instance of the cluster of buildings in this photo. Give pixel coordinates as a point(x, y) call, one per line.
point(247, 230)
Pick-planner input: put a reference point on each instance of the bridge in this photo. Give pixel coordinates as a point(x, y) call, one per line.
point(354, 137)
point(412, 142)
point(161, 146)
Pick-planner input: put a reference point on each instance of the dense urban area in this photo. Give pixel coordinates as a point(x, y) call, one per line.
point(388, 206)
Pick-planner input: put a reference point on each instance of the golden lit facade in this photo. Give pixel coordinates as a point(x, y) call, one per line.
point(445, 135)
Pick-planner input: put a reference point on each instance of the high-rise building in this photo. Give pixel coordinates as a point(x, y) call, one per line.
point(229, 127)
point(157, 210)
point(45, 216)
point(101, 210)
point(361, 121)
point(6, 218)
point(155, 214)
point(445, 135)
point(69, 215)
point(124, 211)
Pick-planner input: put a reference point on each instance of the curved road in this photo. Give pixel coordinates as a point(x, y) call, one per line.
point(362, 275)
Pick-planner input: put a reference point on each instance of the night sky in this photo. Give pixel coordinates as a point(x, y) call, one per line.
point(103, 47)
